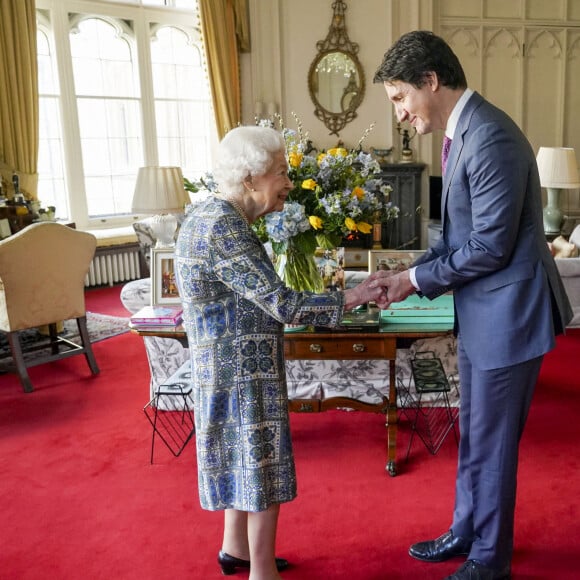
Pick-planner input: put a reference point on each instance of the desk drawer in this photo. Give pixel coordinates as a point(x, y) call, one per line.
point(347, 348)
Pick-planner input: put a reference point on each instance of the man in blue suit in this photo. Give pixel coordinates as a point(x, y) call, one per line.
point(509, 299)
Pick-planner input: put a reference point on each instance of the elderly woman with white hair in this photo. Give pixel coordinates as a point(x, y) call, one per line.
point(235, 308)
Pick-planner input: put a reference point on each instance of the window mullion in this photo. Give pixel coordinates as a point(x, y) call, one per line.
point(74, 172)
point(143, 35)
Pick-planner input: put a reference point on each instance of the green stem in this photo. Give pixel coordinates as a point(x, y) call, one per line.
point(299, 271)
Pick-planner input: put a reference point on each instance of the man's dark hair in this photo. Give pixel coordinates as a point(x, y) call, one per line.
point(417, 53)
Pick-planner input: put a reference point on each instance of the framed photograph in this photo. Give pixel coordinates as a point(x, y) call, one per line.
point(163, 285)
point(392, 259)
point(330, 264)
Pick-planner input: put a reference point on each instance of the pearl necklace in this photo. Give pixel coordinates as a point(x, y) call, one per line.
point(238, 208)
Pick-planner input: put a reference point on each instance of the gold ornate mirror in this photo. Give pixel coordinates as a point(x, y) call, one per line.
point(336, 81)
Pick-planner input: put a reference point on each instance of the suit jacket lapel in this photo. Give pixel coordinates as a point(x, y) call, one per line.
point(456, 149)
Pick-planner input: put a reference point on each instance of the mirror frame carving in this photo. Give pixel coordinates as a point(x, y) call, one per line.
point(337, 41)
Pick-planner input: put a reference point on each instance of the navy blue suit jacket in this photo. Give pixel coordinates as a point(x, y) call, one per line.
point(509, 298)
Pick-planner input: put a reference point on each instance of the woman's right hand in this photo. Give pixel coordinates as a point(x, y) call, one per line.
point(363, 293)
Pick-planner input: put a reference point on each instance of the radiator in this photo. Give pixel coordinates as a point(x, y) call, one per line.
point(114, 264)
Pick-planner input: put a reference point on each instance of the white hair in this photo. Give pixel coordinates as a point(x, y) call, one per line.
point(245, 152)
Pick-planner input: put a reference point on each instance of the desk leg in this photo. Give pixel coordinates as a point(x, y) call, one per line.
point(392, 419)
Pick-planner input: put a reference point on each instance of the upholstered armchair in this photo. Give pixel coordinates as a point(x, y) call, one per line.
point(42, 275)
point(566, 254)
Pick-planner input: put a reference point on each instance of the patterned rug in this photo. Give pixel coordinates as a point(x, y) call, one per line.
point(101, 326)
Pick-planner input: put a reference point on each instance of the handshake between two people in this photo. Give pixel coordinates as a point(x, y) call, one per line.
point(382, 287)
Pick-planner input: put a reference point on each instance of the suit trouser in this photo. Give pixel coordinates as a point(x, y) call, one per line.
point(494, 406)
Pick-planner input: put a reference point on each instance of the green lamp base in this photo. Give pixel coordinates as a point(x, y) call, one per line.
point(553, 215)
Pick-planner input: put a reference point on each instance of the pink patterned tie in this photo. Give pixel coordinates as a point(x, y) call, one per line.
point(445, 153)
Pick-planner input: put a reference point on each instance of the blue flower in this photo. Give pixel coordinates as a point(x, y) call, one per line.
point(283, 225)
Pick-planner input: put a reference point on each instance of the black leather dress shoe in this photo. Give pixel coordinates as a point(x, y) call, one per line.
point(229, 563)
point(441, 549)
point(474, 570)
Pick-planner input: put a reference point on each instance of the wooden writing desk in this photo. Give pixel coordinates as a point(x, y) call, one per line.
point(360, 346)
point(346, 345)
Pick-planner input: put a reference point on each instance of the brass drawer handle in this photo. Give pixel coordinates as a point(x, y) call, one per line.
point(316, 348)
point(358, 347)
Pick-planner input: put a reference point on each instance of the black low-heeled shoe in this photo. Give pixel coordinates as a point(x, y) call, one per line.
point(229, 563)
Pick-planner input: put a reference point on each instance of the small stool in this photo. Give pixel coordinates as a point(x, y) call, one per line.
point(431, 423)
point(170, 413)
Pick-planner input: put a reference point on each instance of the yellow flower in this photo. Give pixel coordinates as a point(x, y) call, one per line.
point(309, 184)
point(350, 224)
point(315, 222)
point(358, 192)
point(361, 227)
point(334, 152)
point(364, 228)
point(295, 159)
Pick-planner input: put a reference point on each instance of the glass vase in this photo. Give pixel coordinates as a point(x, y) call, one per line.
point(299, 271)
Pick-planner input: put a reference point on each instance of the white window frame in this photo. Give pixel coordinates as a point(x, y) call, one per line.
point(144, 19)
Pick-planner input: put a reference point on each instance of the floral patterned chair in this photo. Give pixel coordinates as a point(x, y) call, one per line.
point(147, 239)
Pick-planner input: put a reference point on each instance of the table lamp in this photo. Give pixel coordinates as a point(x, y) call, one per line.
point(160, 191)
point(558, 170)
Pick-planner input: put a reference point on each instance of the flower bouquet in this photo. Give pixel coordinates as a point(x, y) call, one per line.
point(336, 194)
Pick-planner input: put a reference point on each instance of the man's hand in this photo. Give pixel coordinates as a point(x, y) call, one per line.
point(363, 293)
point(396, 285)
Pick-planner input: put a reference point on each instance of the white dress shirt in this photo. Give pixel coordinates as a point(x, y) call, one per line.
point(449, 132)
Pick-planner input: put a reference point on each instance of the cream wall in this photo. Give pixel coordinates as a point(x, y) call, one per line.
point(539, 91)
point(524, 56)
point(284, 36)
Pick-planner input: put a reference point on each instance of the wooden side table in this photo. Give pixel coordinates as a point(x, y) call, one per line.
point(349, 346)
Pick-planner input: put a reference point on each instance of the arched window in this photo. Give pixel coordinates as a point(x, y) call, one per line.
point(182, 101)
point(109, 113)
point(133, 92)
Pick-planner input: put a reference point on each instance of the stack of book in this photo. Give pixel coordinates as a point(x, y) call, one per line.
point(160, 316)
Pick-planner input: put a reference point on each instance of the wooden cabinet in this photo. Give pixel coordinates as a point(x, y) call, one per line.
point(405, 179)
point(18, 217)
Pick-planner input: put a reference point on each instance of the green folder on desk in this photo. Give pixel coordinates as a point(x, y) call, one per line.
point(416, 310)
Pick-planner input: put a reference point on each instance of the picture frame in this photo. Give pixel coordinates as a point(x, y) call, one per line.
point(163, 285)
point(330, 264)
point(392, 259)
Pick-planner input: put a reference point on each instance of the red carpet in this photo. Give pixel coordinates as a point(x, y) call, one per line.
point(106, 300)
point(80, 499)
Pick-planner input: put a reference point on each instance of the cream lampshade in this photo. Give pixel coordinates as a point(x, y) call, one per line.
point(160, 191)
point(558, 170)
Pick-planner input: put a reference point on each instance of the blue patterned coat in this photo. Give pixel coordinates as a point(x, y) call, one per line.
point(235, 307)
